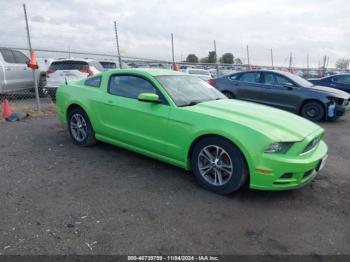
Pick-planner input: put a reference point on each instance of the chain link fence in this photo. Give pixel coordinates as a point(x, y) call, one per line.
point(17, 81)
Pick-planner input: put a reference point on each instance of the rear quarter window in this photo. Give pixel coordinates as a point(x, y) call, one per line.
point(93, 81)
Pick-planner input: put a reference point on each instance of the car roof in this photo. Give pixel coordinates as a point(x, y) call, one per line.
point(74, 59)
point(150, 71)
point(263, 70)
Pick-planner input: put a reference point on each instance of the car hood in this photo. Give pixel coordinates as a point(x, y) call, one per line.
point(331, 91)
point(279, 125)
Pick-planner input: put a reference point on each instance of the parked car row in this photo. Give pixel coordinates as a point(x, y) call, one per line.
point(311, 99)
point(15, 76)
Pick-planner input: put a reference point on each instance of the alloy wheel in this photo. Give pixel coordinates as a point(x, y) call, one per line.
point(78, 127)
point(215, 165)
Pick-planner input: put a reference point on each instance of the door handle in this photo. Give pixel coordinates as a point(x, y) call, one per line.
point(8, 68)
point(332, 84)
point(110, 102)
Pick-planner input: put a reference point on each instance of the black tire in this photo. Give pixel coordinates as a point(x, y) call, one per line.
point(228, 94)
point(239, 169)
point(52, 94)
point(313, 111)
point(42, 83)
point(89, 139)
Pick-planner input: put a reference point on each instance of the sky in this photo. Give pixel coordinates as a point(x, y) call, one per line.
point(315, 27)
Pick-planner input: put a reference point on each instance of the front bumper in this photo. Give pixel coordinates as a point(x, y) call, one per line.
point(341, 110)
point(299, 169)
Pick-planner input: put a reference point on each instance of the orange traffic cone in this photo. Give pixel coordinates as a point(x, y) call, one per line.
point(7, 110)
point(32, 62)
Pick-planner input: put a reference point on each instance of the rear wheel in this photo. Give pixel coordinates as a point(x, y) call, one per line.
point(42, 83)
point(52, 94)
point(218, 165)
point(228, 94)
point(313, 111)
point(80, 128)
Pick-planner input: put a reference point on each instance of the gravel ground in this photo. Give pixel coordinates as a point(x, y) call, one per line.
point(57, 198)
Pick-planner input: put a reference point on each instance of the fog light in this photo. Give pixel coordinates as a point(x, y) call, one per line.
point(287, 175)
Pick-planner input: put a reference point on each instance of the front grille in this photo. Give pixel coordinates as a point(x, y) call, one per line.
point(314, 142)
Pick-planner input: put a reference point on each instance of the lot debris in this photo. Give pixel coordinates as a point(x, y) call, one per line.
point(90, 245)
point(18, 116)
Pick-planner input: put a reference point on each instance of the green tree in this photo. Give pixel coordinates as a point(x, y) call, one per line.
point(192, 58)
point(212, 58)
point(227, 58)
point(204, 60)
point(342, 63)
point(238, 61)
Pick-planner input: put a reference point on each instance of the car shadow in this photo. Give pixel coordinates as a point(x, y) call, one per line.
point(183, 176)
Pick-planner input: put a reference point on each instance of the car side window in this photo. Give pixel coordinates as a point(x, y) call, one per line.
point(269, 79)
point(252, 77)
point(129, 86)
point(20, 58)
point(93, 81)
point(8, 56)
point(233, 77)
point(344, 79)
point(281, 80)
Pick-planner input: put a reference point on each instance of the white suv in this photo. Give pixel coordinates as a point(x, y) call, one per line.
point(201, 73)
point(69, 69)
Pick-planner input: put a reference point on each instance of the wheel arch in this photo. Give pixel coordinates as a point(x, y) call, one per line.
point(244, 152)
point(77, 105)
point(307, 100)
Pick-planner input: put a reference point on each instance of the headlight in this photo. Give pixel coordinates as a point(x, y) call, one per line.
point(279, 147)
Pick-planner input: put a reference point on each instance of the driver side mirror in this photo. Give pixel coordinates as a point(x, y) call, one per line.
point(289, 86)
point(148, 97)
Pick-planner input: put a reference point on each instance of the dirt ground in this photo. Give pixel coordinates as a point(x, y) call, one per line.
point(57, 198)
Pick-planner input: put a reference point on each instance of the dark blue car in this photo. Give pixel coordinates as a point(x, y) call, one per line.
point(340, 81)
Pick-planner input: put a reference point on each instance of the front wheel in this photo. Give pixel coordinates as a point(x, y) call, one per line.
point(313, 111)
point(218, 165)
point(80, 128)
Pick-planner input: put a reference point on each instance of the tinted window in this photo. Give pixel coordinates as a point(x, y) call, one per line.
point(281, 80)
point(93, 81)
point(269, 79)
point(129, 86)
point(68, 65)
point(8, 56)
point(108, 65)
point(345, 79)
point(20, 57)
point(252, 77)
point(233, 77)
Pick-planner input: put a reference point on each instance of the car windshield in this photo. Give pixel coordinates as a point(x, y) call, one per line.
point(188, 90)
point(299, 80)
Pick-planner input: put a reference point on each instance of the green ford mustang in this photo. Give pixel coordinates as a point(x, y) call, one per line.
point(182, 120)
